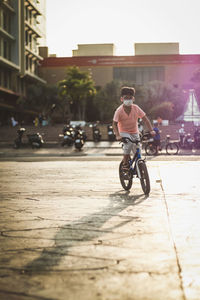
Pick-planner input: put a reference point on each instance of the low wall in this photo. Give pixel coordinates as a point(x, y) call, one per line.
point(51, 133)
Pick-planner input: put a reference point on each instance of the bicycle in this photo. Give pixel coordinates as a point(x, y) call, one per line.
point(171, 148)
point(137, 168)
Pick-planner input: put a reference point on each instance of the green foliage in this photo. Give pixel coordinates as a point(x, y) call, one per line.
point(76, 89)
point(155, 93)
point(40, 97)
point(163, 110)
point(107, 100)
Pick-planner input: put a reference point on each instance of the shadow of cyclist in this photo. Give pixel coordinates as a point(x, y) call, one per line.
point(87, 228)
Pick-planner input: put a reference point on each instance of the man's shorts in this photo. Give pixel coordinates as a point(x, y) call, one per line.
point(128, 147)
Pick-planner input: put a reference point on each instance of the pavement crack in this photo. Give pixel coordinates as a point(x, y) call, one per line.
point(32, 199)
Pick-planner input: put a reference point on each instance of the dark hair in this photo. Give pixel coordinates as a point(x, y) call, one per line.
point(125, 90)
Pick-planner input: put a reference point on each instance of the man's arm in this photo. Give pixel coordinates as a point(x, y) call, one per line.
point(148, 125)
point(116, 131)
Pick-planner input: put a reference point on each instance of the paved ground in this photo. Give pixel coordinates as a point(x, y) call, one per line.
point(103, 148)
point(68, 230)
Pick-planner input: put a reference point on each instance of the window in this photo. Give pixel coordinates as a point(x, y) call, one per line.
point(6, 21)
point(26, 13)
point(6, 49)
point(26, 38)
point(27, 62)
point(138, 75)
point(6, 80)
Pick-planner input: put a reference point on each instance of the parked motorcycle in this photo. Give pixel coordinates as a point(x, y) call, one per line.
point(96, 133)
point(197, 138)
point(68, 135)
point(80, 138)
point(187, 142)
point(111, 135)
point(35, 140)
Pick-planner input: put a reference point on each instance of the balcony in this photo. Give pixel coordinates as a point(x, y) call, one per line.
point(31, 6)
point(32, 29)
point(8, 4)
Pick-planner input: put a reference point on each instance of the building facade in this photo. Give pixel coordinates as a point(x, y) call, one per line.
point(161, 62)
point(20, 35)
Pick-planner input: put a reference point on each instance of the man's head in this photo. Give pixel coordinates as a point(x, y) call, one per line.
point(127, 95)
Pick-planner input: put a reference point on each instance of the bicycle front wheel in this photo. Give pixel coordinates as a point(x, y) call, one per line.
point(144, 177)
point(172, 149)
point(151, 149)
point(125, 177)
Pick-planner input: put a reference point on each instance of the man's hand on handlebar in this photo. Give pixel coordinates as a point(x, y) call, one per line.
point(118, 137)
point(153, 133)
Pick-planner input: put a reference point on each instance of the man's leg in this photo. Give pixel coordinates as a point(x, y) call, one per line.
point(126, 159)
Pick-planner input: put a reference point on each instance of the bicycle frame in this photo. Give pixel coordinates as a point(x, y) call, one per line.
point(137, 167)
point(135, 160)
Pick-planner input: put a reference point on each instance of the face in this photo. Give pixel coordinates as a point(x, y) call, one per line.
point(127, 100)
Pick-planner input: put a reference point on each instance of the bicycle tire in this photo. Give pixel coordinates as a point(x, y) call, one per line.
point(126, 178)
point(150, 149)
point(172, 149)
point(144, 180)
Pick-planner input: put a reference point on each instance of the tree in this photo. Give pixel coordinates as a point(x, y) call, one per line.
point(76, 89)
point(40, 98)
point(163, 110)
point(155, 93)
point(107, 99)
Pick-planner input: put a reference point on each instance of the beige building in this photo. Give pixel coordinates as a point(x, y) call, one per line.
point(94, 50)
point(161, 62)
point(19, 52)
point(156, 48)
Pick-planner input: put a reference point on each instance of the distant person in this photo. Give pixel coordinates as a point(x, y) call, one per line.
point(182, 134)
point(156, 138)
point(36, 121)
point(13, 122)
point(159, 120)
point(40, 117)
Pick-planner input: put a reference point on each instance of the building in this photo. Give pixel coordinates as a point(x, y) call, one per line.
point(154, 61)
point(20, 34)
point(94, 50)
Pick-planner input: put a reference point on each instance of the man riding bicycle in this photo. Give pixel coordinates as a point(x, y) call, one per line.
point(125, 122)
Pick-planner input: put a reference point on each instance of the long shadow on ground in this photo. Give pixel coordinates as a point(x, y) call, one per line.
point(86, 229)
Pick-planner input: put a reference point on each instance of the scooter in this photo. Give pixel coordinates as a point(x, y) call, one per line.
point(111, 135)
point(96, 133)
point(186, 142)
point(35, 140)
point(68, 136)
point(197, 139)
point(80, 138)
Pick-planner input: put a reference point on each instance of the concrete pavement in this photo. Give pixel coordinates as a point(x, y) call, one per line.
point(69, 231)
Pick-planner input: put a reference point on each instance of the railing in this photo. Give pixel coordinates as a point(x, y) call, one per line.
point(9, 2)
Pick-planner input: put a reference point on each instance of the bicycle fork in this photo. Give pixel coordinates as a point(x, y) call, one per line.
point(137, 167)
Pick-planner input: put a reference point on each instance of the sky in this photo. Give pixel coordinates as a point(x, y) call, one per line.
point(123, 23)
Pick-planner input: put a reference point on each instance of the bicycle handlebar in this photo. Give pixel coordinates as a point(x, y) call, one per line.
point(126, 139)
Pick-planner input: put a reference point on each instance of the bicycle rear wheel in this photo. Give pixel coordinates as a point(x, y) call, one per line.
point(172, 149)
point(144, 179)
point(125, 177)
point(151, 149)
